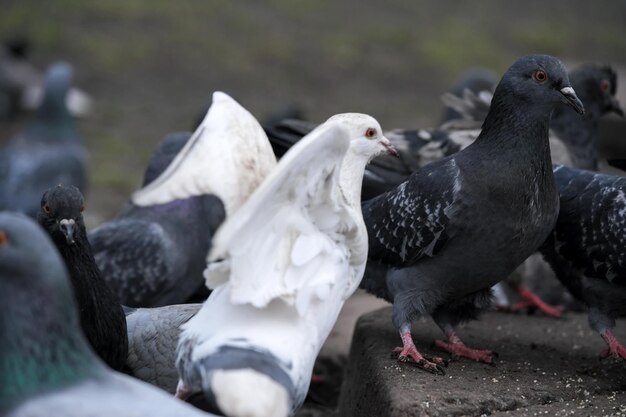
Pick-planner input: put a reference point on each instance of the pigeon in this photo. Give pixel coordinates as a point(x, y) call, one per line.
point(586, 248)
point(154, 253)
point(101, 316)
point(152, 339)
point(469, 105)
point(47, 367)
point(145, 347)
point(476, 81)
point(442, 238)
point(281, 268)
point(48, 152)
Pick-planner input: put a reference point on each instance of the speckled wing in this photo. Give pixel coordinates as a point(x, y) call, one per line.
point(136, 259)
point(284, 242)
point(413, 220)
point(591, 227)
point(152, 339)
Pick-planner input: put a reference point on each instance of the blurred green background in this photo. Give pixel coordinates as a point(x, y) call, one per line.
point(151, 66)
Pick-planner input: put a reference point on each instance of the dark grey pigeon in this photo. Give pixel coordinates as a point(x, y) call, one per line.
point(48, 152)
point(46, 366)
point(154, 256)
point(475, 80)
point(101, 316)
point(587, 249)
point(441, 239)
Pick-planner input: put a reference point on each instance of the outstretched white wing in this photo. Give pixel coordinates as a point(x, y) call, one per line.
point(288, 240)
point(229, 155)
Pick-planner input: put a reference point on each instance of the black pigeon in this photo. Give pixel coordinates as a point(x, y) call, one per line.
point(47, 367)
point(587, 247)
point(48, 152)
point(154, 256)
point(101, 316)
point(441, 239)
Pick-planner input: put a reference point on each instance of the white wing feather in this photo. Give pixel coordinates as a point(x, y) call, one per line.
point(288, 240)
point(229, 155)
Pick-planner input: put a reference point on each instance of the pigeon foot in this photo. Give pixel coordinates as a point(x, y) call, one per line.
point(614, 348)
point(458, 349)
point(410, 355)
point(532, 300)
point(182, 392)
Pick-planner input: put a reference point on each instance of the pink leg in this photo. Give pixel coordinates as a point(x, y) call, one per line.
point(408, 353)
point(530, 299)
point(615, 348)
point(182, 392)
point(457, 348)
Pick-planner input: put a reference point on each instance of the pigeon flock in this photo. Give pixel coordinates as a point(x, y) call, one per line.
point(222, 276)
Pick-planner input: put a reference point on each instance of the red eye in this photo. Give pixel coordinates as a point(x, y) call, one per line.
point(82, 209)
point(3, 238)
point(605, 85)
point(540, 76)
point(46, 208)
point(370, 133)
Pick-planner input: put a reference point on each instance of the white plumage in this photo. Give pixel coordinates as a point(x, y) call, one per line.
point(229, 155)
point(289, 258)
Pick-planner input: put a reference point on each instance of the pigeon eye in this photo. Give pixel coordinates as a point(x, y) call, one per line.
point(370, 133)
point(3, 238)
point(46, 208)
point(604, 86)
point(540, 76)
point(82, 209)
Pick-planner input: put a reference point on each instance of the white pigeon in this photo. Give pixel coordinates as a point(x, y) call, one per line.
point(229, 155)
point(285, 264)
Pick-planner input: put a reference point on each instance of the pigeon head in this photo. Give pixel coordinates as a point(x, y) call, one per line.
point(366, 135)
point(57, 83)
point(164, 154)
point(61, 213)
point(540, 81)
point(596, 86)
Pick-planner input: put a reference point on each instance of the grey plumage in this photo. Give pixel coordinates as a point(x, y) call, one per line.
point(154, 256)
point(46, 366)
point(460, 224)
point(586, 248)
point(48, 152)
point(153, 337)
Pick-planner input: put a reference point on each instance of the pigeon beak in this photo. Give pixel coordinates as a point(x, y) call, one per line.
point(389, 147)
point(570, 98)
point(67, 227)
point(615, 107)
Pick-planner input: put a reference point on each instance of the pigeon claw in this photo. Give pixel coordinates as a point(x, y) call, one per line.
point(411, 356)
point(532, 300)
point(459, 350)
point(614, 349)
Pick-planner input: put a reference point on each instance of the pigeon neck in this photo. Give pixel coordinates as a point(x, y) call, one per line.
point(351, 177)
point(578, 133)
point(53, 120)
point(41, 345)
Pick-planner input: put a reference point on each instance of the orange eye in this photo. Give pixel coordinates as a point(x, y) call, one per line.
point(46, 208)
point(3, 238)
point(604, 86)
point(82, 209)
point(540, 75)
point(370, 133)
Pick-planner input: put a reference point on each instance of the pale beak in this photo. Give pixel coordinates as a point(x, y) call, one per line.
point(570, 97)
point(67, 227)
point(389, 147)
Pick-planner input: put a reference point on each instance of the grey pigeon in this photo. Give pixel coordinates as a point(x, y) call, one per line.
point(154, 255)
point(101, 316)
point(587, 247)
point(47, 367)
point(152, 339)
point(48, 152)
point(475, 80)
point(441, 239)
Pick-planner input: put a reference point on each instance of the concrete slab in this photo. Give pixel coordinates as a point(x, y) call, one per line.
point(545, 365)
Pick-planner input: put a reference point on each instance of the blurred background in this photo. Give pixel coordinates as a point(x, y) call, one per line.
point(151, 66)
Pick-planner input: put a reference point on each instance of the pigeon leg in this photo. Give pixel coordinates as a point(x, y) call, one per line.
point(457, 348)
point(531, 300)
point(615, 348)
point(409, 354)
point(182, 392)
